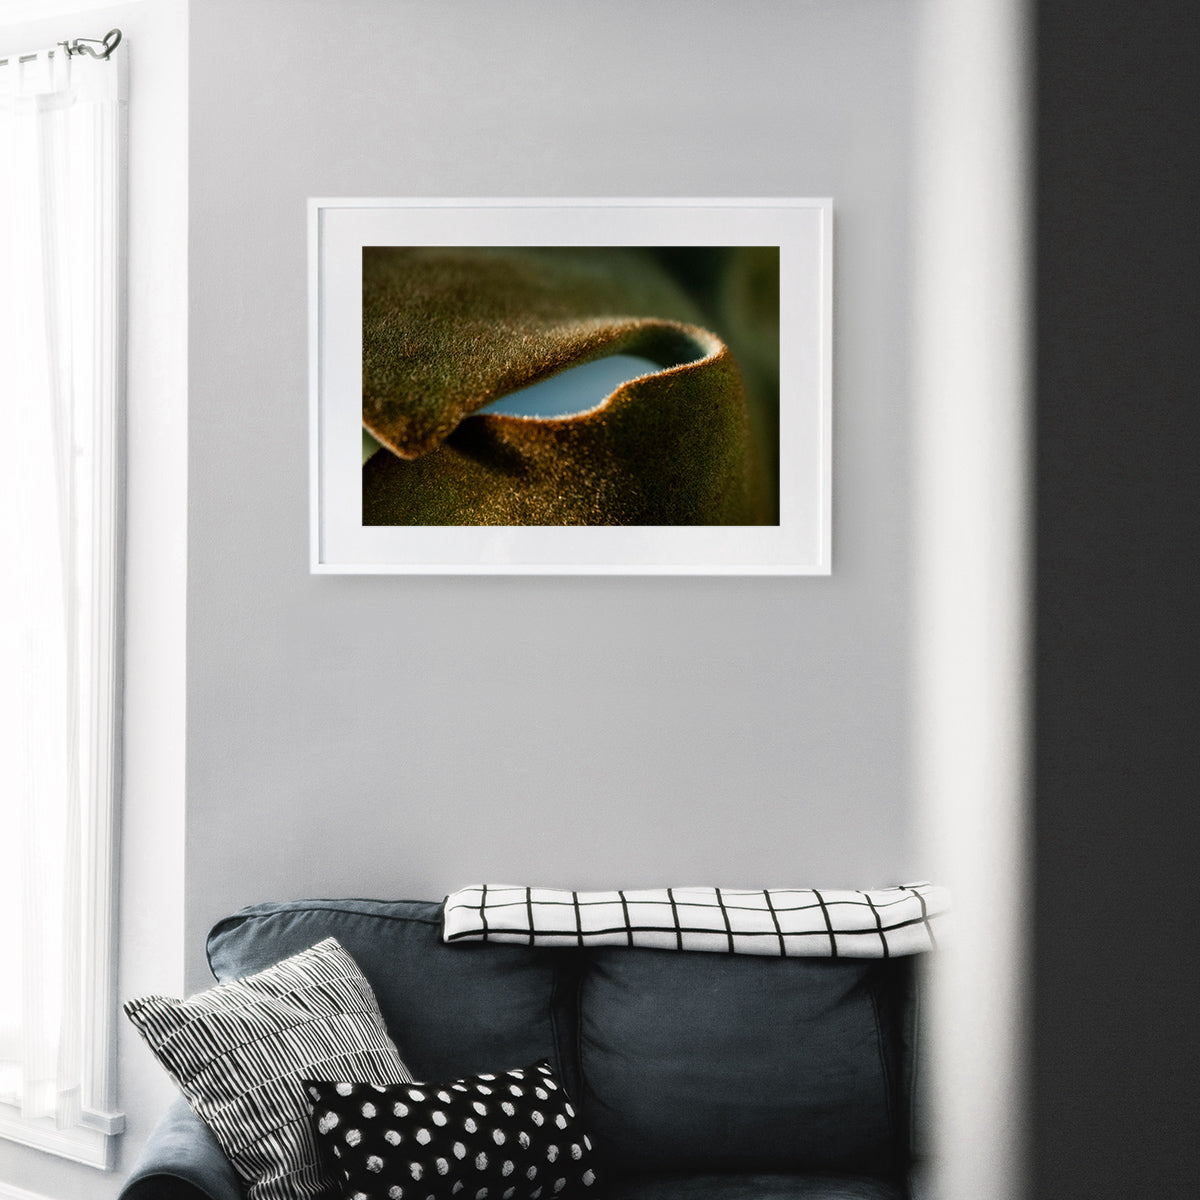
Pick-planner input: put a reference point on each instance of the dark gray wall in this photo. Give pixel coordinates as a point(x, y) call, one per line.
point(406, 735)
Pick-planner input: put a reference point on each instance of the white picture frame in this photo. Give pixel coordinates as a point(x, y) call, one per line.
point(800, 544)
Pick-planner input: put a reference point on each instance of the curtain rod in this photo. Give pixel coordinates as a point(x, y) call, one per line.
point(106, 45)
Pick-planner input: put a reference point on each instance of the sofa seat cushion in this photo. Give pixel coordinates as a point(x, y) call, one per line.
point(730, 1186)
point(720, 1062)
point(451, 1010)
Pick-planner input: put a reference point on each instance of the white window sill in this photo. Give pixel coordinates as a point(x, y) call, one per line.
point(91, 1142)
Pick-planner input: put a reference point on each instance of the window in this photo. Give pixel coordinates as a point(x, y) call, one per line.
point(60, 386)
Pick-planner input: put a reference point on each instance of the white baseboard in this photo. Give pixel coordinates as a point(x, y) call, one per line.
point(9, 1192)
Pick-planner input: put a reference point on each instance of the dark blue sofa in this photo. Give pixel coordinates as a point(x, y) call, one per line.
point(699, 1076)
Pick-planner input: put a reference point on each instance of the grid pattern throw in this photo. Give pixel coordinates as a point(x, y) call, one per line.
point(789, 922)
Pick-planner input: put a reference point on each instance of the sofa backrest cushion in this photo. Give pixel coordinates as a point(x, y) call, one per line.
point(452, 1011)
point(694, 1061)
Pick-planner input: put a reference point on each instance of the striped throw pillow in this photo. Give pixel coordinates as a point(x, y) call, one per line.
point(240, 1051)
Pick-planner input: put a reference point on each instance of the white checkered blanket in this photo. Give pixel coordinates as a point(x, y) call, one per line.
point(792, 922)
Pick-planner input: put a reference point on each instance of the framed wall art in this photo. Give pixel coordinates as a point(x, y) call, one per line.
point(570, 386)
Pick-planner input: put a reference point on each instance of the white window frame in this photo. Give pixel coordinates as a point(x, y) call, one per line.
point(92, 1140)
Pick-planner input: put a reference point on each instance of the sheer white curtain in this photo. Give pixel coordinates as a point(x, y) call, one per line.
point(59, 124)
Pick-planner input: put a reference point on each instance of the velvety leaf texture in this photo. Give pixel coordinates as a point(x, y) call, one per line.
point(447, 330)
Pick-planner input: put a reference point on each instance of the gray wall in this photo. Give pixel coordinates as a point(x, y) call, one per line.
point(402, 736)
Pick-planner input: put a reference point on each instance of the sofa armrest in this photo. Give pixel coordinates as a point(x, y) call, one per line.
point(182, 1161)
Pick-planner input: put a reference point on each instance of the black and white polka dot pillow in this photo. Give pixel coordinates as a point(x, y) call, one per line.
point(507, 1136)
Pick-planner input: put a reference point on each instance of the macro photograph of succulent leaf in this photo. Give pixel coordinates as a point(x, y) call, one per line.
point(554, 385)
